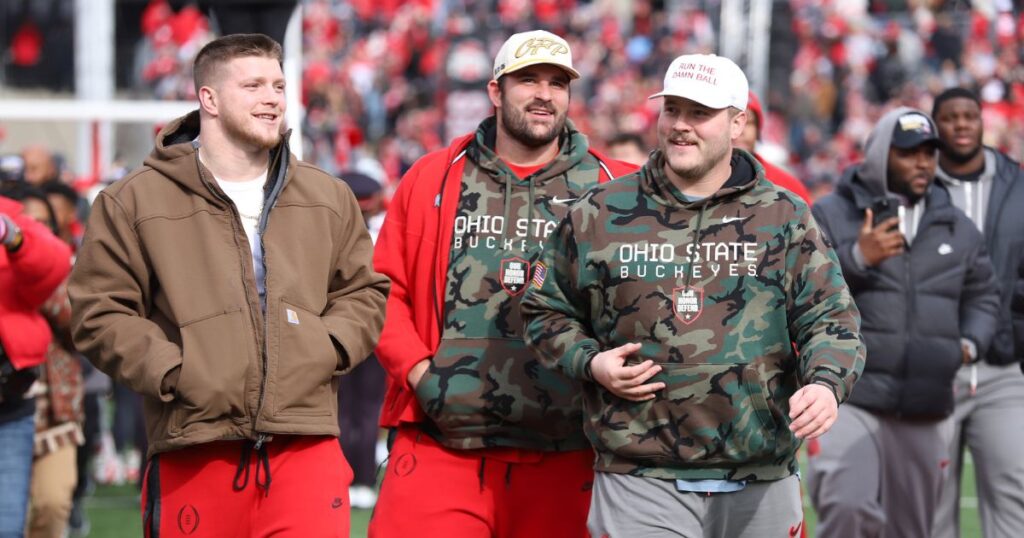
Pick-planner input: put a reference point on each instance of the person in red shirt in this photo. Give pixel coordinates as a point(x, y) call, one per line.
point(750, 136)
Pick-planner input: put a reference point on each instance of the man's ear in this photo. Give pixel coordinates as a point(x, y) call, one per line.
point(208, 100)
point(494, 93)
point(737, 123)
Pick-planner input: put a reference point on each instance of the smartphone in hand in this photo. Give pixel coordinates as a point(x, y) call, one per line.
point(884, 209)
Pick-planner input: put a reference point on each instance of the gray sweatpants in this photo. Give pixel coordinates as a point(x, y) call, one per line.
point(624, 506)
point(876, 476)
point(991, 424)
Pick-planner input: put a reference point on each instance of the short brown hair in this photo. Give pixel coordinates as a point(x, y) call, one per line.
point(229, 47)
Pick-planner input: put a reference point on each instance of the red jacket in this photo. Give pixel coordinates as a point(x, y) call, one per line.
point(27, 278)
point(415, 232)
point(784, 179)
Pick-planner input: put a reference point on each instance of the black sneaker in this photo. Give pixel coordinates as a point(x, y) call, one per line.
point(78, 523)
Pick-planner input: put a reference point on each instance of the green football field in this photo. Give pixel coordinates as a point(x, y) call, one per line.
point(114, 513)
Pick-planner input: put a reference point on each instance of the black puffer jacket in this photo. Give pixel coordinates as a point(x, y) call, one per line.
point(915, 307)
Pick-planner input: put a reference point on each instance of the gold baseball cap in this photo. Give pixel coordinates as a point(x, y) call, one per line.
point(532, 48)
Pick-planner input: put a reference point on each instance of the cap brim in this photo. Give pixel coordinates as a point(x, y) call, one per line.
point(913, 143)
point(710, 103)
point(573, 74)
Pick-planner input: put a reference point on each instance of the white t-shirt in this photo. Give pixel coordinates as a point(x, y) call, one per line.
point(248, 198)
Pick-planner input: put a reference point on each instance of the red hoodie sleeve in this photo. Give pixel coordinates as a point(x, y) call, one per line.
point(40, 265)
point(400, 346)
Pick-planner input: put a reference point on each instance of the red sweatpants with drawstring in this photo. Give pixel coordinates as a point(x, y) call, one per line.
point(214, 490)
point(432, 491)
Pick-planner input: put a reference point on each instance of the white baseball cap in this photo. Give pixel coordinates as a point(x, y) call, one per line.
point(532, 48)
point(713, 81)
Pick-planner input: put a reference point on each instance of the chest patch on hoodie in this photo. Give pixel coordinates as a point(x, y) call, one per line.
point(689, 303)
point(513, 275)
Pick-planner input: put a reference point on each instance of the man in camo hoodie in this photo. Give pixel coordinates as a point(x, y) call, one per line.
point(487, 443)
point(707, 320)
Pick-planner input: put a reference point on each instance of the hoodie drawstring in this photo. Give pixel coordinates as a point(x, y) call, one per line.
point(529, 207)
point(263, 464)
point(531, 196)
point(694, 242)
point(508, 208)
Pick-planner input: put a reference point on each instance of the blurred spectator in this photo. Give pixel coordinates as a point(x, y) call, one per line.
point(268, 17)
point(889, 74)
point(171, 40)
point(748, 140)
point(628, 147)
point(58, 395)
point(361, 392)
point(65, 202)
point(96, 384)
point(39, 165)
point(32, 264)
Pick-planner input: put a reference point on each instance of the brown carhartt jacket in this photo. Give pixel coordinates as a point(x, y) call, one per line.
point(165, 279)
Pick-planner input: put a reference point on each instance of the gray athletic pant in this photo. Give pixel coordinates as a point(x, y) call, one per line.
point(877, 476)
point(991, 424)
point(624, 506)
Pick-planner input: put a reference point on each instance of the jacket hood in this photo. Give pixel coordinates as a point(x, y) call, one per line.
point(873, 171)
point(174, 156)
point(746, 172)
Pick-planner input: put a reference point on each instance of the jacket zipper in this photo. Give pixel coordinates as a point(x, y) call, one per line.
point(264, 221)
point(263, 351)
point(911, 307)
point(248, 295)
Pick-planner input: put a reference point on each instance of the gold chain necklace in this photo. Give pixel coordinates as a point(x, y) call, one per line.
point(247, 216)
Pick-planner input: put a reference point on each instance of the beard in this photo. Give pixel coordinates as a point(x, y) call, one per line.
point(239, 129)
point(517, 125)
point(960, 157)
point(711, 154)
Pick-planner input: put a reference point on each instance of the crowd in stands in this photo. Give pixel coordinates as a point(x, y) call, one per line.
point(375, 79)
point(385, 82)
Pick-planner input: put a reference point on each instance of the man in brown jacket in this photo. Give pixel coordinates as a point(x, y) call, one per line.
point(230, 284)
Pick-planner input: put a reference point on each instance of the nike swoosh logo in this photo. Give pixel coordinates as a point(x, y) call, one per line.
point(727, 220)
point(563, 201)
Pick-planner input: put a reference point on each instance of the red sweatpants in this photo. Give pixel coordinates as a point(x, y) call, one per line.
point(202, 491)
point(432, 491)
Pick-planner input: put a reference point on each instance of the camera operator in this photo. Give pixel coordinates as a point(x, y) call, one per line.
point(33, 262)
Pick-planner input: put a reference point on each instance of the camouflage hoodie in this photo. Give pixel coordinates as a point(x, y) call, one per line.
point(484, 388)
point(717, 291)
